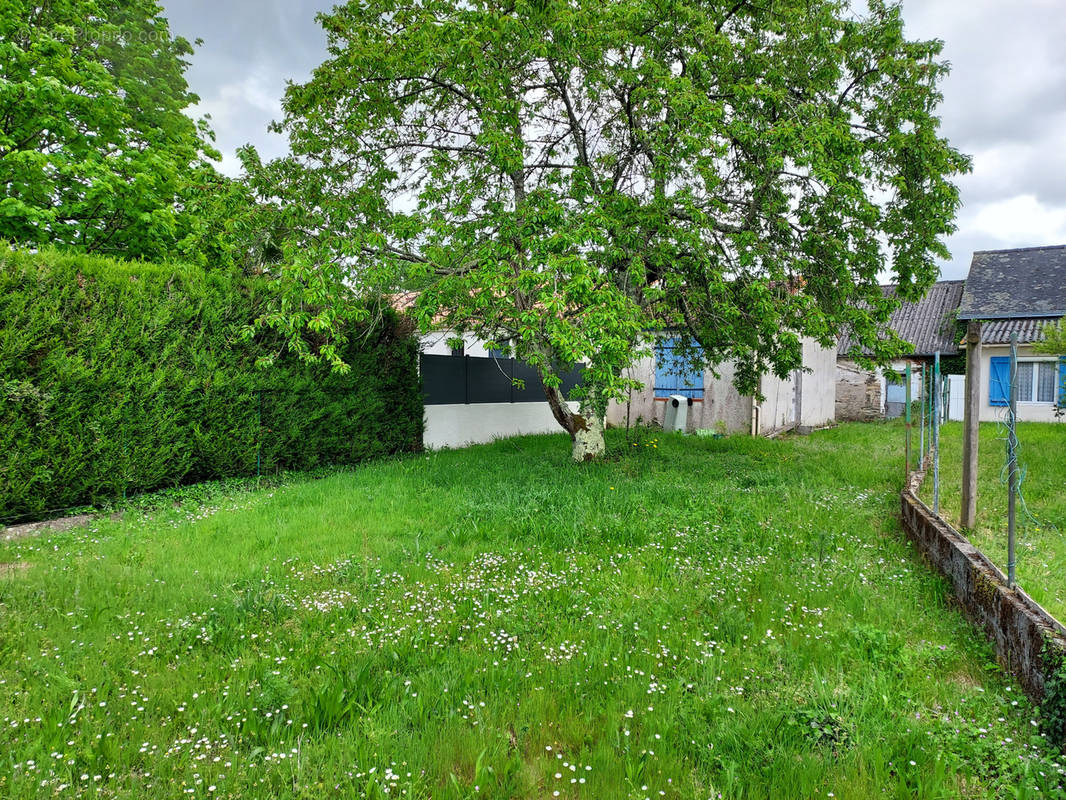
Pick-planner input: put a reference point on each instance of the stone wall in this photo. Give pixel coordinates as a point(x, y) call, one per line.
point(1026, 637)
point(858, 393)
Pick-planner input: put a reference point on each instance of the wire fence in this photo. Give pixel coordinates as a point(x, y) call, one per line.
point(1007, 527)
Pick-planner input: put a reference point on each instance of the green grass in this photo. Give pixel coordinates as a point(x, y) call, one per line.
point(1040, 548)
point(692, 618)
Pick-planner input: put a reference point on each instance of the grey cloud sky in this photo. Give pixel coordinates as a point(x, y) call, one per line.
point(1004, 103)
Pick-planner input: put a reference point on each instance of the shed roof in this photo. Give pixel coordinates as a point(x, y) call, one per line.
point(928, 324)
point(1010, 284)
point(998, 331)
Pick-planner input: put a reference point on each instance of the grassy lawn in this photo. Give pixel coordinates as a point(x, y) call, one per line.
point(1041, 535)
point(693, 618)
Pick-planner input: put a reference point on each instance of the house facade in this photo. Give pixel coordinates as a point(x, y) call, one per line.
point(803, 401)
point(929, 325)
point(1017, 292)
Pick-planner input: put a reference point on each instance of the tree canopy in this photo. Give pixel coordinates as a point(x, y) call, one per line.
point(96, 152)
point(563, 177)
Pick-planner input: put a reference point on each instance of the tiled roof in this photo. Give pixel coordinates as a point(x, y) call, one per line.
point(1007, 284)
point(928, 324)
point(999, 331)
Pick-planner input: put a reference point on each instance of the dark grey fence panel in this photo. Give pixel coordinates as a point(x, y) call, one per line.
point(448, 380)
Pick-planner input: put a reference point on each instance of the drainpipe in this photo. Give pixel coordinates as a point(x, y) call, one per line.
point(797, 400)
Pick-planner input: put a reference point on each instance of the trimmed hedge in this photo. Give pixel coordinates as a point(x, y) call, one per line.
point(120, 377)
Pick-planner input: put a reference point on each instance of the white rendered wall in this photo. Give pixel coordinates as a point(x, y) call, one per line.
point(474, 423)
point(721, 402)
point(819, 395)
point(777, 411)
point(436, 344)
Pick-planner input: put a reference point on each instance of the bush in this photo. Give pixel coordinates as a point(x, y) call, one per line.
point(121, 377)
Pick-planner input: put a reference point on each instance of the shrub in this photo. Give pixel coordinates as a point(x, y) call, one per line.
point(120, 377)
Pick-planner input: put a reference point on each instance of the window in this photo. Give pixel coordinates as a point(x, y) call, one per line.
point(673, 375)
point(1037, 381)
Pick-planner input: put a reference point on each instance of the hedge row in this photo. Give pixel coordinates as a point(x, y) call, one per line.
point(121, 377)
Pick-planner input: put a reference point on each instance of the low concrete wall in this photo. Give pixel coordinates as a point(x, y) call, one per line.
point(460, 425)
point(1024, 633)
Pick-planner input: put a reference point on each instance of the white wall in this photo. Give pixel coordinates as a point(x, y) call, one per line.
point(459, 425)
point(722, 404)
point(436, 344)
point(777, 411)
point(957, 397)
point(819, 395)
point(1027, 412)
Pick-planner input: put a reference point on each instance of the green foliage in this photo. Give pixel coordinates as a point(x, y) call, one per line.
point(95, 148)
point(119, 378)
point(1053, 709)
point(569, 175)
point(1054, 341)
point(227, 225)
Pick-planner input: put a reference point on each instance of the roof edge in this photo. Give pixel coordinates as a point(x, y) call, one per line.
point(1023, 249)
point(962, 317)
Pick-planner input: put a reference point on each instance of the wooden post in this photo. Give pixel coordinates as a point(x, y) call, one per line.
point(971, 417)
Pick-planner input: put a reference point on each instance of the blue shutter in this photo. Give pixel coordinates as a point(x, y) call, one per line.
point(999, 381)
point(672, 375)
point(691, 383)
point(1062, 381)
point(665, 376)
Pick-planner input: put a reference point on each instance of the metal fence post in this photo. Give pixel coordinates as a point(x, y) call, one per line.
point(907, 450)
point(1012, 457)
point(936, 433)
point(921, 437)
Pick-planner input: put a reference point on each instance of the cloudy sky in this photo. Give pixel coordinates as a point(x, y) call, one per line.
point(1004, 103)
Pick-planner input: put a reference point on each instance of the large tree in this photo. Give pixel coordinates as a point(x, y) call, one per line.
point(96, 151)
point(562, 176)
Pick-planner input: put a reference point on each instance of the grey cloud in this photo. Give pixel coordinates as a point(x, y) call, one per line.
point(1004, 103)
point(250, 50)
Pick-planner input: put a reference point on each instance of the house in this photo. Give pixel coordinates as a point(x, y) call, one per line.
point(1018, 292)
point(470, 394)
point(929, 325)
point(802, 401)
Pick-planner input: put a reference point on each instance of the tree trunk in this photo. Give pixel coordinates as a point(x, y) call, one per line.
point(585, 427)
point(588, 433)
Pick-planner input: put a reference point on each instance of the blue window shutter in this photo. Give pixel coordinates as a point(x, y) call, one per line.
point(999, 381)
point(691, 383)
point(672, 375)
point(1062, 381)
point(665, 380)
